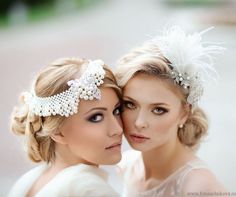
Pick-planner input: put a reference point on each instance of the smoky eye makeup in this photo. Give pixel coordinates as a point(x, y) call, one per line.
point(96, 117)
point(117, 111)
point(160, 110)
point(128, 104)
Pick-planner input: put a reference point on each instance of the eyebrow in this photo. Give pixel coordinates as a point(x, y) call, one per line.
point(152, 104)
point(117, 104)
point(102, 108)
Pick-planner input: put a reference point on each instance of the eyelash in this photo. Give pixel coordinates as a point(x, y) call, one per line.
point(118, 109)
point(163, 111)
point(93, 118)
point(129, 105)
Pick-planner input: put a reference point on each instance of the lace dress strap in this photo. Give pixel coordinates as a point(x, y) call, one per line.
point(193, 165)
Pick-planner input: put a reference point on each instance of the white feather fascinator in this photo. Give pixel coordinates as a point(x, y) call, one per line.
point(191, 59)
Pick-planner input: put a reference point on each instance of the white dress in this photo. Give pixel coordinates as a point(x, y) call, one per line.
point(80, 180)
point(132, 170)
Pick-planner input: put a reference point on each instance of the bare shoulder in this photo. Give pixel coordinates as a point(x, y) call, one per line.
point(201, 181)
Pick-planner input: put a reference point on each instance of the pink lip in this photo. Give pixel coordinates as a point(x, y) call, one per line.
point(138, 138)
point(114, 145)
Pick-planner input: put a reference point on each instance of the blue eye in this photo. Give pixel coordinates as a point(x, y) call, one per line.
point(117, 111)
point(159, 110)
point(96, 118)
point(129, 105)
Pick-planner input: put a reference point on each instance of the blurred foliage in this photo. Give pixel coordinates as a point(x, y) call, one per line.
point(38, 9)
point(5, 5)
point(194, 2)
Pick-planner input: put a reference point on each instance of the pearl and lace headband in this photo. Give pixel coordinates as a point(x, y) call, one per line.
point(190, 58)
point(66, 103)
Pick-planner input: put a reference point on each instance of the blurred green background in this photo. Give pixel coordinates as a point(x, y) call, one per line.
point(27, 11)
point(24, 11)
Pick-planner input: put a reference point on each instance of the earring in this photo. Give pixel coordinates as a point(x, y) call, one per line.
point(181, 126)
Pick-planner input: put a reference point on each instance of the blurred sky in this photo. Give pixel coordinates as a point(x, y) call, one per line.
point(107, 30)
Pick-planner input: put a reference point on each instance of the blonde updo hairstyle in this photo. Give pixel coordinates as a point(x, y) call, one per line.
point(148, 59)
point(50, 81)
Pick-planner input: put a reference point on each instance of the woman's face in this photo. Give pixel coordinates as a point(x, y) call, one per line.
point(94, 134)
point(152, 113)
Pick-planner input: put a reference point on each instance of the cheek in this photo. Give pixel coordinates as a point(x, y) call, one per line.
point(120, 121)
point(165, 125)
point(128, 118)
point(86, 138)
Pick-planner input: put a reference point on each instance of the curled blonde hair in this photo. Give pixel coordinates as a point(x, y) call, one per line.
point(149, 60)
point(50, 81)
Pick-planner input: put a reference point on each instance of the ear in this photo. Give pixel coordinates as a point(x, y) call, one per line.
point(185, 113)
point(59, 138)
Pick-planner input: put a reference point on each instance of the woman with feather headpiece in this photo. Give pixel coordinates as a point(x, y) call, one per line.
point(162, 82)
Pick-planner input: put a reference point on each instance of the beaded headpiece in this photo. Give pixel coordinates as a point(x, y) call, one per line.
point(190, 58)
point(66, 103)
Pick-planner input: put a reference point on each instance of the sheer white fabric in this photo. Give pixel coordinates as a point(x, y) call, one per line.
point(79, 180)
point(132, 170)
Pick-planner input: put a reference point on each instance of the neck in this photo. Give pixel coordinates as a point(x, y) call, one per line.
point(162, 161)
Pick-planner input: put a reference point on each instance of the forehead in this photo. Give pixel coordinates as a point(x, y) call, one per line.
point(150, 89)
point(108, 99)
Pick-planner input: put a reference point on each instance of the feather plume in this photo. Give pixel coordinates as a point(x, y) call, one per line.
point(189, 56)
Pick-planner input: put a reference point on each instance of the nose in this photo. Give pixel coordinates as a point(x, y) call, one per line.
point(116, 126)
point(140, 122)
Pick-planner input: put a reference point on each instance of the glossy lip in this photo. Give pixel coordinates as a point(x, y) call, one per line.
point(138, 138)
point(114, 145)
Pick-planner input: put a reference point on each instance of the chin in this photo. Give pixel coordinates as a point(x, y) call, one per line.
point(137, 147)
point(140, 147)
point(114, 159)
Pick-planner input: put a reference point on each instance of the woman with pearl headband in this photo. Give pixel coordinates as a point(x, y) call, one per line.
point(71, 124)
